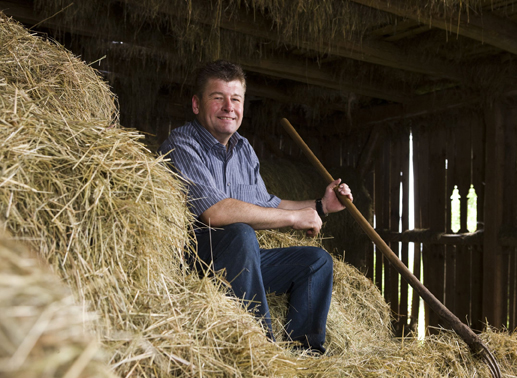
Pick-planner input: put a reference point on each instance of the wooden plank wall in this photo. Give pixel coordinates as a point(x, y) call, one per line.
point(446, 155)
point(452, 272)
point(443, 159)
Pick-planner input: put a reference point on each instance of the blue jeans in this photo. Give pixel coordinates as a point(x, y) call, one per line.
point(304, 273)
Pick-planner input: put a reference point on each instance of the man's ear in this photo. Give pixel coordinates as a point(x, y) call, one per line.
point(195, 104)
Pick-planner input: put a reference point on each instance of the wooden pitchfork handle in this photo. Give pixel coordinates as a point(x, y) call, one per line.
point(472, 340)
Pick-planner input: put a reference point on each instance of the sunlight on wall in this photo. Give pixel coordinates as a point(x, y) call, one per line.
point(472, 210)
point(455, 210)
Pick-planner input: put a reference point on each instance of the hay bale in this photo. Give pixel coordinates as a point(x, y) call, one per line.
point(43, 333)
point(47, 74)
point(113, 222)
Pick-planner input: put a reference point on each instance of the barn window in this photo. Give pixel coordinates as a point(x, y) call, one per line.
point(455, 210)
point(472, 209)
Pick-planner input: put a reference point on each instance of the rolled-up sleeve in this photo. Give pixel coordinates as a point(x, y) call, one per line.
point(187, 159)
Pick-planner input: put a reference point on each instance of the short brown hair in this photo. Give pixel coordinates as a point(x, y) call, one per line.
point(219, 69)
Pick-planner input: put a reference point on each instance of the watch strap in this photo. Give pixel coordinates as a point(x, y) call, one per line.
point(319, 208)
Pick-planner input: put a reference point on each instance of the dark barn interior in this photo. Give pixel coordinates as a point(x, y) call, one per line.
point(356, 78)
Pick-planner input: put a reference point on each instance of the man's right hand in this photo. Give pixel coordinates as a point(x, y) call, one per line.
point(307, 219)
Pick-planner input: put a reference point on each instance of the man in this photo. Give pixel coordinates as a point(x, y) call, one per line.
point(227, 193)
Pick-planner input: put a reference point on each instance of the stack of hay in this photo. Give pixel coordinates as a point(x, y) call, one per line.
point(110, 219)
point(112, 222)
point(42, 330)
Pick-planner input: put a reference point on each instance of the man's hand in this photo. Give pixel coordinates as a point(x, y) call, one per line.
point(330, 201)
point(307, 219)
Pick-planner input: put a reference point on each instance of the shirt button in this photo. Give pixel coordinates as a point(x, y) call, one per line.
point(228, 184)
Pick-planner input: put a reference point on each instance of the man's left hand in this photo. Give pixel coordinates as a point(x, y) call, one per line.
point(330, 202)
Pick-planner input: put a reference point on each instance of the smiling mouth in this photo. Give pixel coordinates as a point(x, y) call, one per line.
point(227, 118)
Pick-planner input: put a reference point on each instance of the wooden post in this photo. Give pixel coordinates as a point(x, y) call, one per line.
point(478, 179)
point(392, 277)
point(510, 216)
point(434, 255)
point(404, 286)
point(493, 269)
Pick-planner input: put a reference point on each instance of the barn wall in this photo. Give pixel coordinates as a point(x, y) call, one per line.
point(458, 268)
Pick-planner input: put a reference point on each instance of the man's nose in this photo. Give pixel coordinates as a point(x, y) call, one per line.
point(228, 105)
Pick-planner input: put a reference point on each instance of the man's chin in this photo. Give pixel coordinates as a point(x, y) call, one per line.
point(228, 128)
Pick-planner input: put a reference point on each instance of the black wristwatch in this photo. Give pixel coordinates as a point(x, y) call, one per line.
point(319, 208)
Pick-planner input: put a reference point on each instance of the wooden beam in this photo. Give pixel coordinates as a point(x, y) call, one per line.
point(487, 28)
point(428, 236)
point(419, 106)
point(370, 51)
point(313, 75)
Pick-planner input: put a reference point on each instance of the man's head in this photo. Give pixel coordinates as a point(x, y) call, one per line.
point(219, 99)
point(220, 69)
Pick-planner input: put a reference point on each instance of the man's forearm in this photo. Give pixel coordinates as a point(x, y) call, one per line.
point(234, 211)
point(230, 211)
point(297, 205)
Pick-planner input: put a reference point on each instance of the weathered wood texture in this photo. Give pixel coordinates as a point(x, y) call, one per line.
point(459, 269)
point(474, 275)
point(493, 258)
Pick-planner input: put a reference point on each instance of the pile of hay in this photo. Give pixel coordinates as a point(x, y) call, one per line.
point(43, 333)
point(112, 221)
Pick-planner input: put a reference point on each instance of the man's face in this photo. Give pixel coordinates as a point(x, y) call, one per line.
point(220, 109)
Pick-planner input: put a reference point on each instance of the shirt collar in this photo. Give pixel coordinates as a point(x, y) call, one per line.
point(208, 141)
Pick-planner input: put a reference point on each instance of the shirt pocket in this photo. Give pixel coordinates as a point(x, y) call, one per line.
point(246, 193)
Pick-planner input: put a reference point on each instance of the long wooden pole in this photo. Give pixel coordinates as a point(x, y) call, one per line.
point(472, 340)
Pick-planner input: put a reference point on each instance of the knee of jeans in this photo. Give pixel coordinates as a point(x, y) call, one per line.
point(325, 259)
point(241, 232)
point(244, 236)
point(240, 229)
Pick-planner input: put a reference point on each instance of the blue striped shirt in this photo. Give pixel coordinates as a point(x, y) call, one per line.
point(213, 172)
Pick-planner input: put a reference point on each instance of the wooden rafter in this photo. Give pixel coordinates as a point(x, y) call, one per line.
point(486, 28)
point(310, 74)
point(382, 53)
